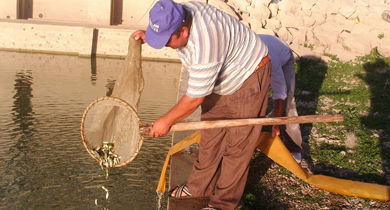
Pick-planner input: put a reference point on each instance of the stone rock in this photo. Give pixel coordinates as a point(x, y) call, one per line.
point(290, 20)
point(319, 18)
point(265, 31)
point(284, 34)
point(386, 15)
point(314, 28)
point(255, 24)
point(311, 40)
point(341, 53)
point(241, 5)
point(245, 17)
point(303, 51)
point(307, 4)
point(261, 2)
point(245, 23)
point(320, 50)
point(355, 44)
point(299, 35)
point(384, 47)
point(347, 8)
point(220, 4)
point(260, 11)
point(364, 3)
point(289, 6)
point(323, 32)
point(273, 24)
point(274, 8)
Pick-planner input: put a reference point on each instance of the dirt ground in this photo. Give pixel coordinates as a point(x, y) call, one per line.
point(270, 186)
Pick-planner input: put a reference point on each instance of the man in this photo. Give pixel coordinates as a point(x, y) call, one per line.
point(283, 86)
point(229, 76)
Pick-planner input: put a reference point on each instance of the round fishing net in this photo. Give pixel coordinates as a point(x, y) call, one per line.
point(110, 127)
point(111, 131)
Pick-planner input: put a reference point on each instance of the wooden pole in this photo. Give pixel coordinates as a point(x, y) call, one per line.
point(256, 121)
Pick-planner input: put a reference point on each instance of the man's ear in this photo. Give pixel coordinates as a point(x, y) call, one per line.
point(185, 32)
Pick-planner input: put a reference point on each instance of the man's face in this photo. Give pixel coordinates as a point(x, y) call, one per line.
point(178, 41)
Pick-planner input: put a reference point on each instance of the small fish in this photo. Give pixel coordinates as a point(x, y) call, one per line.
point(106, 156)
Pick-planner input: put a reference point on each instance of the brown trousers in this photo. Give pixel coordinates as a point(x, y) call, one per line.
point(221, 170)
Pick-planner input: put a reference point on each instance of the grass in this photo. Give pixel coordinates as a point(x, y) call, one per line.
point(356, 149)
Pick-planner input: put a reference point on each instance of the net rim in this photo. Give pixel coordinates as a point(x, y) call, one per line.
point(128, 107)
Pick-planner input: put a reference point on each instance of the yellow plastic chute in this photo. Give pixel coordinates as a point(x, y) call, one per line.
point(275, 149)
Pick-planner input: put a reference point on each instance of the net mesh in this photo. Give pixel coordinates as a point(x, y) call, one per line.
point(114, 119)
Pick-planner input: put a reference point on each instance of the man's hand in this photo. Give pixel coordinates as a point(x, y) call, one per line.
point(140, 34)
point(275, 130)
point(181, 110)
point(278, 112)
point(160, 128)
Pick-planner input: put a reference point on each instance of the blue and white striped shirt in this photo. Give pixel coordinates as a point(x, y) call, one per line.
point(221, 52)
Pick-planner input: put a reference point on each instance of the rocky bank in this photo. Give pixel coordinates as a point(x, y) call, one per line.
point(318, 28)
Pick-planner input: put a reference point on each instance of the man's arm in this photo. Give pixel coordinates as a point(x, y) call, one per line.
point(278, 112)
point(181, 110)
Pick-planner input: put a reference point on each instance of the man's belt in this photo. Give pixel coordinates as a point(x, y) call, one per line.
point(262, 62)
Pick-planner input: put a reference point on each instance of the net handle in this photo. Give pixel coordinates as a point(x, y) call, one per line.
point(145, 129)
point(128, 107)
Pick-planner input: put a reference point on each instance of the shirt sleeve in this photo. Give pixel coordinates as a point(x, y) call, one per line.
point(278, 83)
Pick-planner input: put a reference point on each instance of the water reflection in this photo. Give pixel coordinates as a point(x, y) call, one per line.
point(22, 134)
point(44, 164)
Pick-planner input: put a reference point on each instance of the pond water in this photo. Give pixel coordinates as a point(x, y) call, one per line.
point(43, 162)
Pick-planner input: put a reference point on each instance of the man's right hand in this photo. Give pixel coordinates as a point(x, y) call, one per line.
point(140, 34)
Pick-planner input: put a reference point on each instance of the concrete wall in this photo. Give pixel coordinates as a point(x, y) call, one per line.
point(8, 9)
point(102, 12)
point(30, 36)
point(79, 27)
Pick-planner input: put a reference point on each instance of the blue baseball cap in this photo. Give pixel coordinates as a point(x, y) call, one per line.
point(165, 17)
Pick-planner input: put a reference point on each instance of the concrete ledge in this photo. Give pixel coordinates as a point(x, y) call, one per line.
point(74, 39)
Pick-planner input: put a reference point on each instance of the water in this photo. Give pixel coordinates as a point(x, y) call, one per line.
point(43, 162)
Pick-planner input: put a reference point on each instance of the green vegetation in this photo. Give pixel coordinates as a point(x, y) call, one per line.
point(356, 149)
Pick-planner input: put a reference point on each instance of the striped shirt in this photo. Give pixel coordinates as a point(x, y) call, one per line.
point(221, 52)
